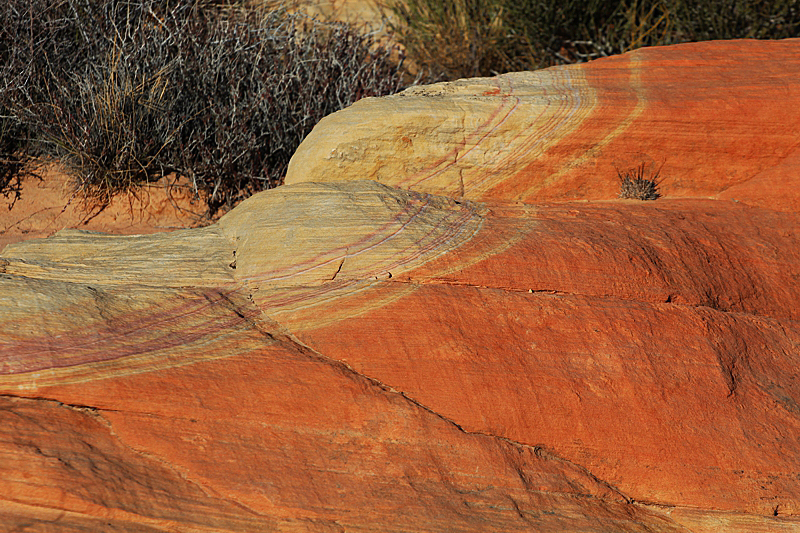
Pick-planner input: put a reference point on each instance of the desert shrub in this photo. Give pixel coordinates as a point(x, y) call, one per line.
point(639, 184)
point(13, 158)
point(462, 38)
point(261, 91)
point(17, 63)
point(457, 38)
point(123, 92)
point(701, 20)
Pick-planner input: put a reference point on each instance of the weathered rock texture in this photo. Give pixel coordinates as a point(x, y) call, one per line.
point(358, 357)
point(722, 120)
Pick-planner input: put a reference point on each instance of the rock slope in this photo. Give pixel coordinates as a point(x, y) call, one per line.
point(720, 119)
point(340, 354)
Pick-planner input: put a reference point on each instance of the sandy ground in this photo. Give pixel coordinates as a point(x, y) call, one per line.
point(49, 205)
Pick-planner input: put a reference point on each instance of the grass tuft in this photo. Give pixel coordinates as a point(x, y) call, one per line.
point(634, 185)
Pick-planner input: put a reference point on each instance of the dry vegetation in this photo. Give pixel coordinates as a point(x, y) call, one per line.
point(221, 92)
point(453, 39)
point(638, 183)
point(123, 92)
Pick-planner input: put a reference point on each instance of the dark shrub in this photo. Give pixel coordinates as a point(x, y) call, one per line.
point(123, 92)
point(462, 38)
point(14, 159)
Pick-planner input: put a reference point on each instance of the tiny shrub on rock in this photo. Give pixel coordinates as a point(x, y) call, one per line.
point(123, 92)
point(634, 185)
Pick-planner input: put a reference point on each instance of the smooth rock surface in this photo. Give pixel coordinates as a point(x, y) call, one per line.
point(400, 361)
point(721, 119)
point(354, 356)
point(137, 396)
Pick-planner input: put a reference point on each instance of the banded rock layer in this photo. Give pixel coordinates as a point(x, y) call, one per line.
point(351, 356)
point(719, 119)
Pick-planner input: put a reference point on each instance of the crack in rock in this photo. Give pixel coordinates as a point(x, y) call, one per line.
point(538, 450)
point(95, 411)
point(668, 300)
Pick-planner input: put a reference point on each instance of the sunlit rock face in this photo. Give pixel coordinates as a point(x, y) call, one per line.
point(448, 323)
point(718, 119)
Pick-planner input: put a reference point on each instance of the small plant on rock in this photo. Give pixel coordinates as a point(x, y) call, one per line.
point(634, 185)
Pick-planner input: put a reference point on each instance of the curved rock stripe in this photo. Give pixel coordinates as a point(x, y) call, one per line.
point(106, 332)
point(137, 303)
point(324, 267)
point(718, 119)
point(317, 233)
point(654, 343)
point(682, 252)
point(343, 241)
point(455, 139)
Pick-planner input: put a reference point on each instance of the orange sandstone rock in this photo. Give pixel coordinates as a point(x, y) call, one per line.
point(355, 356)
point(154, 374)
point(720, 119)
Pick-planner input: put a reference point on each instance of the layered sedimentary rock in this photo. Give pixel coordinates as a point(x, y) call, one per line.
point(355, 356)
point(401, 361)
point(719, 119)
point(150, 383)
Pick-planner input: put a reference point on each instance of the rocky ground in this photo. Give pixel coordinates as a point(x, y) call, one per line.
point(446, 320)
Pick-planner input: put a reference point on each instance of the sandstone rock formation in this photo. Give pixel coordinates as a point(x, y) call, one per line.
point(352, 355)
point(721, 117)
